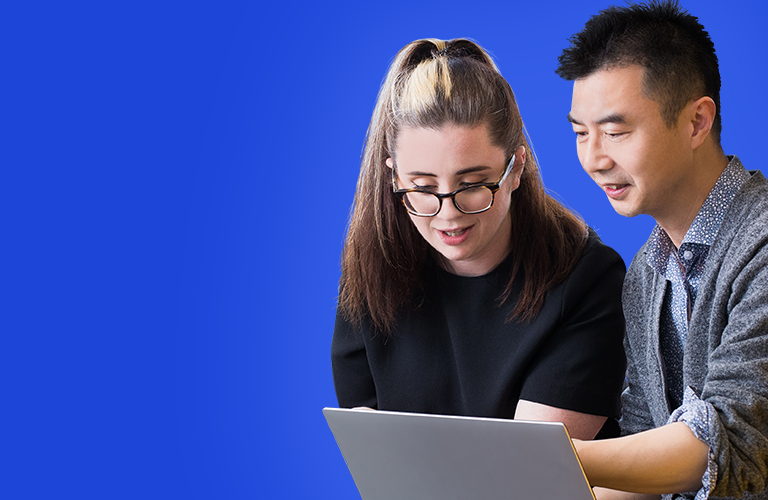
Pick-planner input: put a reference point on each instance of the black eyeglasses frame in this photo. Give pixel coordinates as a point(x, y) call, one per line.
point(492, 186)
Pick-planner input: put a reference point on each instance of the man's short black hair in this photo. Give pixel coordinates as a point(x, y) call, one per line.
point(670, 44)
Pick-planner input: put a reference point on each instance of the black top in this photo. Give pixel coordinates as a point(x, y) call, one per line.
point(456, 354)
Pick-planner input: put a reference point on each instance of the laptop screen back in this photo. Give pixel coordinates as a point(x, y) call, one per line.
point(408, 456)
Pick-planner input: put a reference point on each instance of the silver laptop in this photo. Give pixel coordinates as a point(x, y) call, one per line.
point(413, 456)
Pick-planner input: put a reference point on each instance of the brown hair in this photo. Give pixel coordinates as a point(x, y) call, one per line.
point(432, 83)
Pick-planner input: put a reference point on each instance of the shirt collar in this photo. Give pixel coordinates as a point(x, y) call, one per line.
point(706, 223)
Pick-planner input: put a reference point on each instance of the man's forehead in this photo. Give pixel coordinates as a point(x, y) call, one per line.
point(609, 96)
point(608, 82)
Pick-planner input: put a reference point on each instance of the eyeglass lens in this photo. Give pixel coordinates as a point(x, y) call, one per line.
point(475, 199)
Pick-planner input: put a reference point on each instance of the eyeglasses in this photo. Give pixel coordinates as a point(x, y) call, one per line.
point(472, 199)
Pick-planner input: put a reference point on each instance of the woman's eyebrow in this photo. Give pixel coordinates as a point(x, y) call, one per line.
point(471, 170)
point(463, 171)
point(417, 173)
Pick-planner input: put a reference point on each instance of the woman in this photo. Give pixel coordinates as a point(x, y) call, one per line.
point(465, 288)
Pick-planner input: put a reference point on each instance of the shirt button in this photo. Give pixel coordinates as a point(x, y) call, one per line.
point(687, 255)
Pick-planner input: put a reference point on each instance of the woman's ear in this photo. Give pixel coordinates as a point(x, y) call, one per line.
point(517, 169)
point(390, 163)
point(520, 156)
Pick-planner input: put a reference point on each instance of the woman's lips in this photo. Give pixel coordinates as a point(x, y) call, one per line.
point(454, 236)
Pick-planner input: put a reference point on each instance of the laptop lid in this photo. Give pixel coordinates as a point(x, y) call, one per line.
point(413, 456)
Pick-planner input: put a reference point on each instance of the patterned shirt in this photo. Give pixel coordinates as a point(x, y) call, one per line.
point(683, 268)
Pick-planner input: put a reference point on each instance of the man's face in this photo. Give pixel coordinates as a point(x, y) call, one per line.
point(625, 146)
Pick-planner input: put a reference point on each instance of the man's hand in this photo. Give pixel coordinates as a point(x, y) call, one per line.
point(606, 494)
point(668, 459)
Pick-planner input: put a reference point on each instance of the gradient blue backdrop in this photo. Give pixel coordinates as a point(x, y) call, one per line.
point(176, 180)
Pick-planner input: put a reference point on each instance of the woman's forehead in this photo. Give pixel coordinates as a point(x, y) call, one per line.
point(449, 149)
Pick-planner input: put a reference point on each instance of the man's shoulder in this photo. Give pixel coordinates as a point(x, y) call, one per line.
point(744, 228)
point(754, 193)
point(638, 283)
point(639, 265)
point(746, 221)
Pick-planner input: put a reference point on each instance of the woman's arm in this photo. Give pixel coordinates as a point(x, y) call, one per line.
point(579, 425)
point(352, 376)
point(582, 364)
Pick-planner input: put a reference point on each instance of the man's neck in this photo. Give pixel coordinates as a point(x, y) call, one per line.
point(683, 210)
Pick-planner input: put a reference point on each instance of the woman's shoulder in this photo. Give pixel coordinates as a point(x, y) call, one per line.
point(597, 254)
point(599, 264)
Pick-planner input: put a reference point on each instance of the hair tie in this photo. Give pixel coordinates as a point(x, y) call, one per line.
point(438, 53)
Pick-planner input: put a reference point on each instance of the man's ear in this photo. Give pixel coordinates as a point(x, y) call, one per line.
point(702, 116)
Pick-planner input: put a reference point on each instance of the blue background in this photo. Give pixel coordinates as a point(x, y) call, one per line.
point(175, 183)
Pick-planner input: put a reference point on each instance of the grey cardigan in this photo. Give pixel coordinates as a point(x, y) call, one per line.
point(726, 354)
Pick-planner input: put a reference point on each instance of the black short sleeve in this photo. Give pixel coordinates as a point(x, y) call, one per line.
point(582, 364)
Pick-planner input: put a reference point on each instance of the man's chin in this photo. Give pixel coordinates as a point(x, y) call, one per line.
point(623, 208)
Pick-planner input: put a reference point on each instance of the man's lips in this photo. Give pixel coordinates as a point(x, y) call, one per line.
point(614, 190)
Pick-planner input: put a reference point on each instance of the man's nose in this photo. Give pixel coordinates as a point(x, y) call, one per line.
point(593, 155)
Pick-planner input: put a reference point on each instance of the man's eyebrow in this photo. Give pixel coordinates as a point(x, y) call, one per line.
point(574, 120)
point(612, 118)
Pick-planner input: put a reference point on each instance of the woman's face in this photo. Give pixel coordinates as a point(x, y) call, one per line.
point(443, 161)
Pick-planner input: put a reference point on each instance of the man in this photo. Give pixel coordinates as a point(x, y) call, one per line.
point(646, 112)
